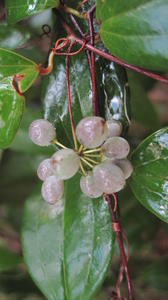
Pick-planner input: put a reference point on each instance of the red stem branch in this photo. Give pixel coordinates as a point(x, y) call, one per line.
point(69, 97)
point(122, 63)
point(91, 29)
point(113, 58)
point(118, 231)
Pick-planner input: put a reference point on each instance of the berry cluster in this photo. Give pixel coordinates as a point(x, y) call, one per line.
point(101, 157)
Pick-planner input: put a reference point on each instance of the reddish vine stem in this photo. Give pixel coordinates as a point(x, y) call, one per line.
point(113, 58)
point(69, 98)
point(119, 280)
point(91, 29)
point(118, 231)
point(122, 63)
point(76, 25)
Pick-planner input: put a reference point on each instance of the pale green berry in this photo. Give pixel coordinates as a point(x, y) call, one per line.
point(116, 148)
point(91, 132)
point(42, 132)
point(108, 177)
point(65, 163)
point(45, 169)
point(88, 186)
point(114, 128)
point(125, 166)
point(52, 189)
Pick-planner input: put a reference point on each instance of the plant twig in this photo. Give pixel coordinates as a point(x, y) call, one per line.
point(122, 63)
point(113, 58)
point(91, 29)
point(69, 99)
point(118, 230)
point(76, 25)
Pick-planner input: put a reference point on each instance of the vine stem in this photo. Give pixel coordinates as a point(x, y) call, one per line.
point(76, 25)
point(118, 230)
point(91, 29)
point(112, 58)
point(69, 99)
point(122, 63)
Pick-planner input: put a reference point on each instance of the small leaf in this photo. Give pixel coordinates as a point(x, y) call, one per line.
point(8, 260)
point(12, 64)
point(20, 9)
point(12, 37)
point(136, 31)
point(68, 246)
point(149, 181)
point(11, 111)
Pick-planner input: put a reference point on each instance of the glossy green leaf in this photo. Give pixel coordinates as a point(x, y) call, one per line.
point(11, 111)
point(149, 181)
point(142, 110)
point(54, 95)
point(12, 37)
point(68, 246)
point(12, 64)
point(20, 9)
point(114, 96)
point(8, 260)
point(136, 31)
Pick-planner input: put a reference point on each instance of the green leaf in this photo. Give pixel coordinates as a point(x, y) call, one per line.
point(8, 260)
point(12, 64)
point(114, 96)
point(149, 181)
point(54, 95)
point(17, 10)
point(136, 31)
point(22, 142)
point(12, 37)
point(12, 104)
point(11, 111)
point(68, 246)
point(142, 110)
